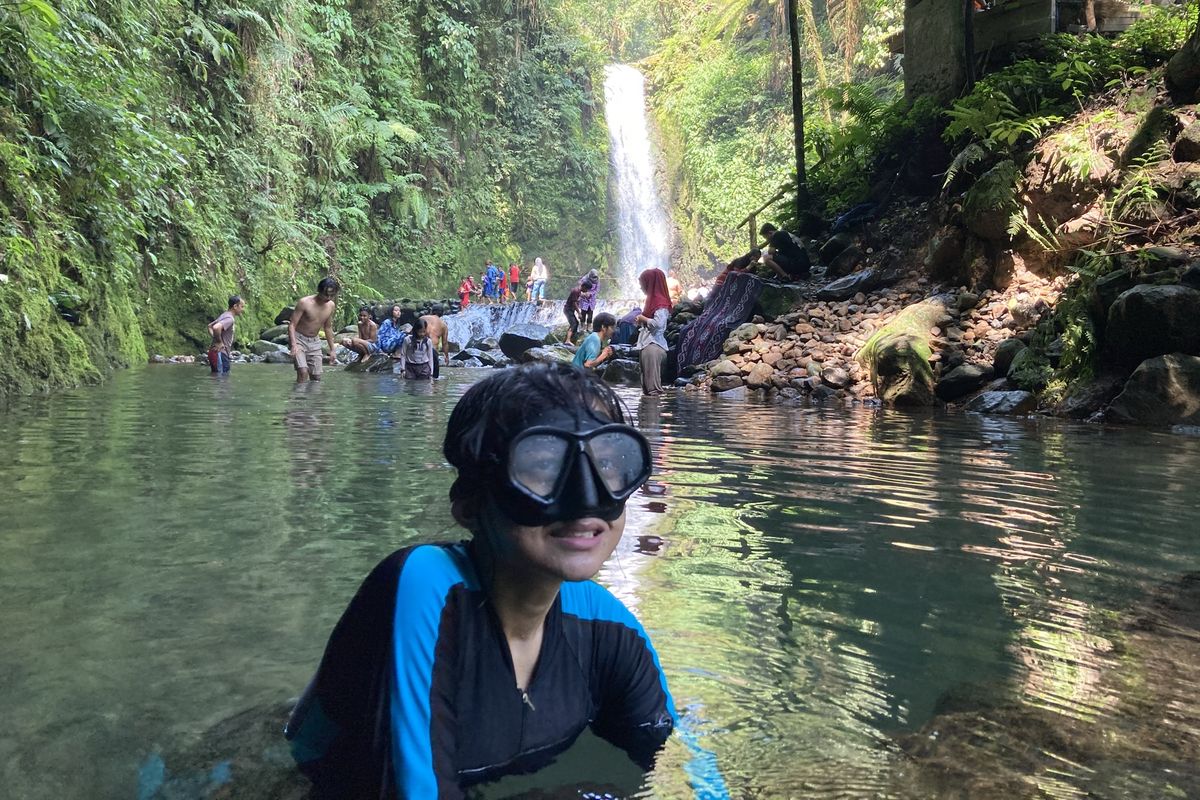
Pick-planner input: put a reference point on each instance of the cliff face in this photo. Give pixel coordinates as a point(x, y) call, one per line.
point(157, 157)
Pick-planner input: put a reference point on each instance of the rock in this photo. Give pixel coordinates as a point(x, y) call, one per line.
point(279, 357)
point(744, 332)
point(737, 392)
point(760, 376)
point(486, 344)
point(835, 377)
point(724, 383)
point(1087, 399)
point(520, 338)
point(1187, 146)
point(284, 315)
point(776, 300)
point(1149, 321)
point(375, 362)
point(897, 355)
point(833, 248)
point(1191, 276)
point(724, 367)
point(946, 252)
point(623, 372)
point(1002, 403)
point(273, 333)
point(821, 393)
point(471, 363)
point(1162, 391)
point(963, 380)
point(967, 301)
point(988, 222)
point(1154, 259)
point(847, 287)
point(1005, 353)
point(261, 348)
point(846, 261)
point(488, 359)
point(546, 355)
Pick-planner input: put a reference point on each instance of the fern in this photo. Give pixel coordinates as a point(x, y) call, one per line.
point(969, 156)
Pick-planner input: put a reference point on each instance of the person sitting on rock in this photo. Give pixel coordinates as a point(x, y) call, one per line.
point(417, 357)
point(785, 255)
point(674, 288)
point(587, 298)
point(390, 336)
point(595, 349)
point(427, 686)
point(739, 264)
point(366, 342)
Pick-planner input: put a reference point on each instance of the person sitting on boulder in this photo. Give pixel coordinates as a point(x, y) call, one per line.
point(417, 356)
point(390, 337)
point(458, 664)
point(784, 255)
point(587, 298)
point(739, 264)
point(366, 342)
point(595, 350)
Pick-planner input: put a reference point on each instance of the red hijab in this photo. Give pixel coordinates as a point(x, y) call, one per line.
point(654, 284)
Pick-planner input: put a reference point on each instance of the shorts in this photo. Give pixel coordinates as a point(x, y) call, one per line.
point(372, 347)
point(219, 360)
point(572, 322)
point(310, 357)
point(418, 371)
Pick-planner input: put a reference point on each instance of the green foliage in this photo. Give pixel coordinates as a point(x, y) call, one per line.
point(1136, 197)
point(156, 157)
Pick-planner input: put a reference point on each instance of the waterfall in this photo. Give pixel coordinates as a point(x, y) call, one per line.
point(642, 237)
point(482, 321)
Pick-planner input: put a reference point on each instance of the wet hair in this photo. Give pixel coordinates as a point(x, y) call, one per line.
point(234, 299)
point(767, 229)
point(497, 408)
point(365, 310)
point(419, 327)
point(328, 283)
point(603, 320)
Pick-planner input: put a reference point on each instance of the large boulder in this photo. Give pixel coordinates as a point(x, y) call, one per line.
point(1005, 353)
point(776, 300)
point(847, 287)
point(485, 343)
point(520, 338)
point(261, 348)
point(1002, 403)
point(273, 333)
point(1149, 321)
point(833, 248)
point(483, 356)
point(1162, 391)
point(375, 362)
point(897, 355)
point(283, 316)
point(623, 372)
point(545, 355)
point(961, 381)
point(845, 261)
point(760, 376)
point(278, 357)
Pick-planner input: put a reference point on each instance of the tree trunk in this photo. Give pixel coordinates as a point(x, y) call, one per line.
point(797, 108)
point(1089, 15)
point(969, 42)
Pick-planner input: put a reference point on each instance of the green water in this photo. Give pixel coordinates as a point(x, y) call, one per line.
point(820, 583)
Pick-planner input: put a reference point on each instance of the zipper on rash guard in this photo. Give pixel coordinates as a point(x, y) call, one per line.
point(525, 699)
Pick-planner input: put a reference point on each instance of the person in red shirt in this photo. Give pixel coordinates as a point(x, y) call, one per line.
point(514, 279)
point(464, 292)
point(503, 291)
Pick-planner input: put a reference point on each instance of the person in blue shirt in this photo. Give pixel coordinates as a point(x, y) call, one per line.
point(391, 334)
point(457, 664)
point(594, 349)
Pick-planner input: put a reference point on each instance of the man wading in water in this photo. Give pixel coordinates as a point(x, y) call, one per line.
point(312, 314)
point(440, 337)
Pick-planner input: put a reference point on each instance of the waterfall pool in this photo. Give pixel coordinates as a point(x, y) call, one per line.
point(847, 603)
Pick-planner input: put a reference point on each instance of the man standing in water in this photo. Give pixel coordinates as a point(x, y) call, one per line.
point(311, 315)
point(439, 337)
point(221, 329)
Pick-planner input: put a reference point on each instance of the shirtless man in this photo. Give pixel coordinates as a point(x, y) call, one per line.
point(439, 337)
point(312, 314)
point(366, 342)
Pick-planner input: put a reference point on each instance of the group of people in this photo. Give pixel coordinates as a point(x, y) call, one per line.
point(498, 285)
point(415, 346)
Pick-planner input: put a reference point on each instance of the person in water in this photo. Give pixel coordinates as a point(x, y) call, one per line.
point(652, 323)
point(457, 664)
point(366, 342)
point(595, 350)
point(417, 357)
point(312, 314)
point(439, 336)
point(221, 330)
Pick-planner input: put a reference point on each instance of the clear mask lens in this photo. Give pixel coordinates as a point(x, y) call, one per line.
point(618, 458)
point(537, 462)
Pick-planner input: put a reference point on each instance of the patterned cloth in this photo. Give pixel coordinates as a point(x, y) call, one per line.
point(388, 337)
point(729, 305)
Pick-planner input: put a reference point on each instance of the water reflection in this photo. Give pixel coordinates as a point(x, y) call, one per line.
point(847, 603)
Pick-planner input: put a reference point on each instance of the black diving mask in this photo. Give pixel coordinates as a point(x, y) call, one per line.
point(556, 474)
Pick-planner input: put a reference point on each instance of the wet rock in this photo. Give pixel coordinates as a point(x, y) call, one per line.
point(821, 393)
point(485, 344)
point(733, 392)
point(1191, 276)
point(279, 357)
point(375, 362)
point(724, 367)
point(833, 247)
point(545, 355)
point(488, 359)
point(1005, 353)
point(261, 348)
point(1017, 402)
point(1162, 391)
point(963, 380)
point(835, 377)
point(273, 333)
point(624, 372)
point(515, 341)
point(471, 363)
point(897, 356)
point(846, 261)
point(760, 376)
point(1149, 321)
point(1087, 399)
point(724, 383)
point(847, 287)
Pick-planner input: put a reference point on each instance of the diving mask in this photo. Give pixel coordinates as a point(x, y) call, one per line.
point(557, 474)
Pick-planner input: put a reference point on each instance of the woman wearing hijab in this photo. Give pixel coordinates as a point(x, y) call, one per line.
point(587, 300)
point(652, 342)
point(540, 275)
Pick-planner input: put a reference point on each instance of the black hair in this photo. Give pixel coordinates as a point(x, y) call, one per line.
point(365, 309)
point(419, 326)
point(767, 229)
point(603, 320)
point(497, 408)
point(328, 283)
point(586, 286)
point(234, 299)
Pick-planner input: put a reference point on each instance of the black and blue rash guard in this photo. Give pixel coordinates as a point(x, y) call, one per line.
point(416, 695)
